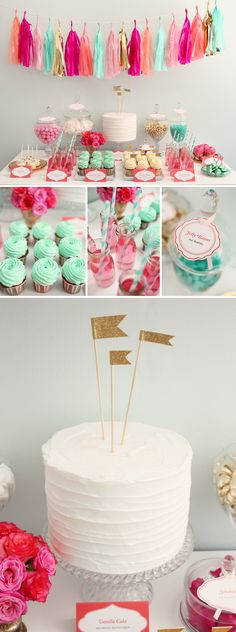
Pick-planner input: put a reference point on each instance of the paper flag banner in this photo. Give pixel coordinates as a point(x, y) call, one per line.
point(119, 357)
point(153, 336)
point(219, 629)
point(107, 327)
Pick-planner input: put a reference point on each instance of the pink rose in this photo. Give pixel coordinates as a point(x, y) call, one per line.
point(23, 545)
point(45, 560)
point(39, 208)
point(12, 574)
point(36, 586)
point(12, 607)
point(40, 195)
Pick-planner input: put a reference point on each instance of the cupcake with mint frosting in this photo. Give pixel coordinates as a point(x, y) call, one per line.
point(41, 230)
point(45, 248)
point(109, 165)
point(83, 163)
point(152, 237)
point(12, 276)
point(19, 229)
point(73, 275)
point(69, 247)
point(16, 247)
point(45, 273)
point(133, 221)
point(147, 216)
point(64, 229)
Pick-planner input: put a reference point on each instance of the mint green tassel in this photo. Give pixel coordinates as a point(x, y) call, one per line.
point(99, 56)
point(160, 49)
point(217, 35)
point(48, 49)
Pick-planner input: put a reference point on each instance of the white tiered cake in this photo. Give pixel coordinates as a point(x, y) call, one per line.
point(122, 512)
point(119, 127)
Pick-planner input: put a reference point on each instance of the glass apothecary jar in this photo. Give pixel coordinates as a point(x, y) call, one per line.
point(178, 125)
point(77, 119)
point(48, 128)
point(156, 125)
point(196, 613)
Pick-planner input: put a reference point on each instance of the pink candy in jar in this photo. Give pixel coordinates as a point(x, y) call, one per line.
point(47, 129)
point(126, 247)
point(101, 263)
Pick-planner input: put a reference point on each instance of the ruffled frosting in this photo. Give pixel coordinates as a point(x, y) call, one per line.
point(65, 229)
point(45, 248)
point(12, 272)
point(19, 229)
point(45, 271)
point(96, 162)
point(147, 214)
point(83, 162)
point(70, 247)
point(41, 230)
point(152, 235)
point(15, 246)
point(136, 221)
point(156, 205)
point(109, 162)
point(73, 270)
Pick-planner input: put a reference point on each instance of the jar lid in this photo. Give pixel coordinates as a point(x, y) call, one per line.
point(157, 116)
point(47, 119)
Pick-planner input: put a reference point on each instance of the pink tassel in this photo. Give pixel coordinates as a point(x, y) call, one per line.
point(112, 57)
point(26, 49)
point(134, 52)
point(14, 41)
point(147, 51)
point(185, 42)
point(38, 47)
point(72, 53)
point(197, 38)
point(85, 59)
point(172, 48)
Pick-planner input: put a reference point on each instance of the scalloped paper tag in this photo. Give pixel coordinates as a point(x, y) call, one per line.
point(95, 175)
point(219, 593)
point(197, 239)
point(144, 175)
point(127, 616)
point(21, 172)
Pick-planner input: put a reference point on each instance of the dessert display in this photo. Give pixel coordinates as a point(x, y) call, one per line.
point(45, 248)
point(119, 127)
point(73, 274)
point(19, 229)
point(201, 152)
point(64, 229)
point(16, 247)
point(77, 120)
point(45, 273)
point(48, 128)
point(105, 513)
point(156, 125)
point(41, 230)
point(69, 247)
point(96, 160)
point(178, 125)
point(141, 160)
point(215, 167)
point(12, 276)
point(28, 158)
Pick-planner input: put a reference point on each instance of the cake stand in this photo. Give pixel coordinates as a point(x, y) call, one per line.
point(99, 587)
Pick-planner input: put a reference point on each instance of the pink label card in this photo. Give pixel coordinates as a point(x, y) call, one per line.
point(144, 175)
point(95, 175)
point(219, 593)
point(184, 175)
point(197, 239)
point(21, 172)
point(108, 617)
point(56, 175)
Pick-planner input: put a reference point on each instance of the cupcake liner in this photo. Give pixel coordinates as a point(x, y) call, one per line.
point(42, 289)
point(57, 239)
point(71, 288)
point(144, 225)
point(23, 259)
point(62, 260)
point(15, 289)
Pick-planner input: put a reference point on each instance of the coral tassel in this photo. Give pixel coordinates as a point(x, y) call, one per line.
point(38, 47)
point(72, 53)
point(85, 60)
point(99, 56)
point(146, 51)
point(197, 38)
point(14, 41)
point(160, 48)
point(26, 50)
point(112, 57)
point(134, 52)
point(172, 48)
point(185, 42)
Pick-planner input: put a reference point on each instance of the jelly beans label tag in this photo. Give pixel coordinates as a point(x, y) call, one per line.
point(197, 239)
point(21, 172)
point(95, 175)
point(145, 175)
point(219, 593)
point(129, 616)
point(57, 175)
point(184, 175)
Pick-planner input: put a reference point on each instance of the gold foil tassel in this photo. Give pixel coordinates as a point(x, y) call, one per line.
point(123, 57)
point(58, 67)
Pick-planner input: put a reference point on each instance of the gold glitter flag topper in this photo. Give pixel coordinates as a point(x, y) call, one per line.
point(153, 336)
point(119, 357)
point(107, 327)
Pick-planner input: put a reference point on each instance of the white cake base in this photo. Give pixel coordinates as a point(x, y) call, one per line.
point(119, 127)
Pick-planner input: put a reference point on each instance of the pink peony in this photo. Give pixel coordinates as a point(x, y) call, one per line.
point(39, 208)
point(12, 574)
point(40, 195)
point(12, 607)
point(36, 586)
point(45, 560)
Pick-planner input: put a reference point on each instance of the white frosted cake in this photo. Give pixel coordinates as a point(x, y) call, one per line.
point(121, 512)
point(119, 127)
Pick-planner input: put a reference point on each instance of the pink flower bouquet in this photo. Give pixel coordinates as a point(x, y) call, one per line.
point(26, 564)
point(123, 194)
point(92, 140)
point(35, 199)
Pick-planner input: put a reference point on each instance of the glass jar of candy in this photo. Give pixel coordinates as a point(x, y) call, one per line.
point(112, 236)
point(196, 613)
point(126, 247)
point(48, 129)
point(77, 119)
point(156, 125)
point(178, 125)
point(101, 263)
point(126, 286)
point(151, 274)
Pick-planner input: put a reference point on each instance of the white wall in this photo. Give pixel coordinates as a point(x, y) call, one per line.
point(48, 382)
point(206, 88)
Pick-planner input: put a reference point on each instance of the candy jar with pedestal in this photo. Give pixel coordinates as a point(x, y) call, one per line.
point(178, 125)
point(156, 126)
point(101, 263)
point(47, 129)
point(224, 478)
point(192, 238)
point(77, 120)
point(126, 247)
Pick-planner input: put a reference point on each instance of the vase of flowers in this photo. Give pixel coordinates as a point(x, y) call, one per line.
point(92, 141)
point(124, 195)
point(26, 566)
point(33, 202)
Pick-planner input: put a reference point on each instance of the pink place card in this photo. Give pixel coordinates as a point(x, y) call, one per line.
point(56, 175)
point(118, 156)
point(21, 172)
point(197, 239)
point(130, 616)
point(184, 175)
point(95, 175)
point(144, 175)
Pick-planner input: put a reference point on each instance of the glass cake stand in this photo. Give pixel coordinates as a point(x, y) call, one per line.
point(136, 587)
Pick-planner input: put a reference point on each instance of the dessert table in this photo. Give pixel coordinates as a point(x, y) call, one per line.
point(38, 178)
point(95, 231)
point(58, 614)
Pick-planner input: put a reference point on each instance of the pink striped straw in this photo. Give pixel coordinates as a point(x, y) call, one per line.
point(141, 269)
point(136, 204)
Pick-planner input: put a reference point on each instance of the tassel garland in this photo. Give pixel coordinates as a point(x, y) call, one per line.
point(14, 41)
point(197, 38)
point(134, 52)
point(26, 50)
point(160, 49)
point(112, 57)
point(58, 67)
point(72, 53)
point(48, 49)
point(86, 59)
point(218, 35)
point(146, 51)
point(123, 58)
point(172, 47)
point(207, 29)
point(99, 56)
point(38, 47)
point(185, 42)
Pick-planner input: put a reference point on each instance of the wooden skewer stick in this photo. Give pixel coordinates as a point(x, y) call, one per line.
point(131, 394)
point(99, 389)
point(112, 411)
